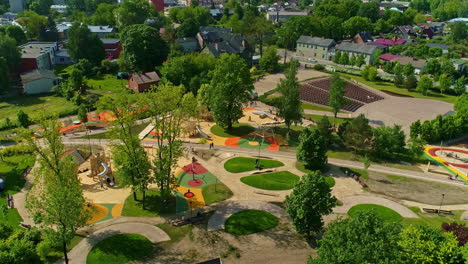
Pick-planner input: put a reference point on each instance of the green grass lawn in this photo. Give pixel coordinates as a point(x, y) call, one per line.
point(154, 205)
point(243, 164)
point(10, 171)
point(330, 181)
point(384, 212)
point(175, 233)
point(34, 105)
point(300, 166)
point(216, 192)
point(236, 131)
point(281, 180)
point(338, 121)
point(307, 106)
point(136, 129)
point(387, 86)
point(120, 248)
point(107, 82)
point(250, 221)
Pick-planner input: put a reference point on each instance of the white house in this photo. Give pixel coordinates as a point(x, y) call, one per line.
point(38, 81)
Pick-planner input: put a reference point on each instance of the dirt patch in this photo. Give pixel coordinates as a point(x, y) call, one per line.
point(415, 190)
point(272, 246)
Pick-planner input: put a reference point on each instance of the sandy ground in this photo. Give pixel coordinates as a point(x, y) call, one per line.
point(93, 192)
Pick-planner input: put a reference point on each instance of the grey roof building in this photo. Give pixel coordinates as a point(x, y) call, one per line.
point(358, 49)
point(322, 42)
point(218, 40)
point(313, 47)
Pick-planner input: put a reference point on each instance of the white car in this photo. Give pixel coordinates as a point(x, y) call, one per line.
point(311, 60)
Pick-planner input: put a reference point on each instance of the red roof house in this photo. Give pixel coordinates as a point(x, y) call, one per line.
point(389, 57)
point(142, 82)
point(112, 48)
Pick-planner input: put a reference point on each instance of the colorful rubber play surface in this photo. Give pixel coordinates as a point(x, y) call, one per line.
point(452, 159)
point(102, 212)
point(192, 178)
point(253, 142)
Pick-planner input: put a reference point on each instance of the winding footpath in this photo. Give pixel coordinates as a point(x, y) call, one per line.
point(79, 253)
point(351, 201)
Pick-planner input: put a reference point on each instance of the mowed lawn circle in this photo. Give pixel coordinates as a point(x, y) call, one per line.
point(382, 211)
point(275, 181)
point(250, 221)
point(120, 248)
point(237, 130)
point(243, 164)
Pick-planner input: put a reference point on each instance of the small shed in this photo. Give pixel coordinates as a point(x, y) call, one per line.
point(142, 82)
point(38, 81)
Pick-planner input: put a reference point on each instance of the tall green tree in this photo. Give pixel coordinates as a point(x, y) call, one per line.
point(425, 244)
point(33, 23)
point(168, 106)
point(131, 12)
point(336, 100)
point(229, 89)
point(312, 149)
point(56, 199)
point(458, 31)
point(411, 82)
point(269, 60)
point(143, 48)
point(389, 142)
point(364, 238)
point(356, 25)
point(23, 119)
point(445, 82)
point(41, 7)
point(289, 104)
point(10, 52)
point(17, 33)
point(83, 44)
point(4, 76)
point(309, 201)
point(460, 87)
point(130, 159)
point(424, 84)
point(358, 134)
point(104, 15)
point(325, 129)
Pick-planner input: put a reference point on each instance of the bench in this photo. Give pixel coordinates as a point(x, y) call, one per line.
point(10, 203)
point(192, 220)
point(261, 172)
point(25, 225)
point(269, 194)
point(430, 210)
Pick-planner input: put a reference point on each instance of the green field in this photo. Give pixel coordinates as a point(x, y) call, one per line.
point(243, 164)
point(382, 211)
point(35, 105)
point(339, 120)
point(387, 86)
point(236, 131)
point(281, 180)
point(216, 192)
point(250, 221)
point(121, 248)
point(154, 205)
point(107, 82)
point(10, 171)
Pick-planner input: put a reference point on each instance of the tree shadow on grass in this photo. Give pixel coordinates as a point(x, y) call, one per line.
point(154, 203)
point(126, 247)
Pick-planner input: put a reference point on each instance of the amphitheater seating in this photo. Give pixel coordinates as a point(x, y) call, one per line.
point(317, 91)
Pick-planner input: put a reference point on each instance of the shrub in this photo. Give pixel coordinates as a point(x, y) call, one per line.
point(319, 67)
point(17, 149)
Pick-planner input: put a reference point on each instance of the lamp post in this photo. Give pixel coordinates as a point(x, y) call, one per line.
point(441, 202)
point(189, 195)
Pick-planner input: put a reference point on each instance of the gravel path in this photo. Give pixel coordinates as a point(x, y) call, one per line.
point(351, 201)
point(79, 253)
point(217, 221)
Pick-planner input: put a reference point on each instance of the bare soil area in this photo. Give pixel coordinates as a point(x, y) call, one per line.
point(278, 245)
point(416, 190)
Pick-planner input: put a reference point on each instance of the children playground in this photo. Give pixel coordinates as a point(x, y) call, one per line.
point(453, 160)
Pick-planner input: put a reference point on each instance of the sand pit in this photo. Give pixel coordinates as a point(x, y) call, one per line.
point(93, 192)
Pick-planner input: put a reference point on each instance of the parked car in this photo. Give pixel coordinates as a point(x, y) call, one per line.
point(311, 60)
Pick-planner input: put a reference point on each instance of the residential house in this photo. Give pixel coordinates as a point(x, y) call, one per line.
point(445, 48)
point(100, 31)
point(142, 82)
point(188, 44)
point(314, 47)
point(205, 3)
point(459, 64)
point(404, 32)
point(37, 55)
point(158, 5)
point(418, 64)
point(112, 47)
point(9, 16)
point(437, 27)
point(363, 37)
point(389, 42)
point(389, 57)
point(62, 57)
point(38, 81)
point(17, 6)
point(218, 40)
point(283, 15)
point(351, 49)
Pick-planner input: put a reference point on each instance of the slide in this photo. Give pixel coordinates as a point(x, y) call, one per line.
point(202, 133)
point(264, 113)
point(103, 174)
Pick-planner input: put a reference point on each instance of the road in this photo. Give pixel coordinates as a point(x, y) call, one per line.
point(292, 155)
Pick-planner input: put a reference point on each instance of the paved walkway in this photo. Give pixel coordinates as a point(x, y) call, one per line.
point(79, 253)
point(351, 201)
point(19, 198)
point(228, 208)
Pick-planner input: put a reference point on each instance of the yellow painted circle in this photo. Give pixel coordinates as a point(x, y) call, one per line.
point(98, 212)
point(253, 143)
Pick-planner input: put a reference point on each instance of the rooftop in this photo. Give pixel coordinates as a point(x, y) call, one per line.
point(323, 42)
point(390, 42)
point(358, 48)
point(389, 57)
point(147, 77)
point(35, 49)
point(288, 13)
point(110, 40)
point(436, 45)
point(36, 75)
point(417, 63)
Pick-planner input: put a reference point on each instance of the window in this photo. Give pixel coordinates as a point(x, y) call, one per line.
point(62, 59)
point(315, 54)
